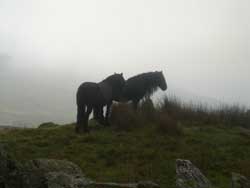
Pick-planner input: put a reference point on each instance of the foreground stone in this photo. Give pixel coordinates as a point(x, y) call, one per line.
point(50, 173)
point(188, 176)
point(142, 184)
point(9, 170)
point(64, 180)
point(239, 181)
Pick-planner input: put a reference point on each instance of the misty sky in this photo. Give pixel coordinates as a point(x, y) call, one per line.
point(49, 47)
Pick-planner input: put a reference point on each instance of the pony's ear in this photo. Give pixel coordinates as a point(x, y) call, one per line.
point(121, 74)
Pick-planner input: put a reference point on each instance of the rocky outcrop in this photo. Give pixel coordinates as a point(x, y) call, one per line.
point(9, 170)
point(188, 176)
point(142, 184)
point(64, 180)
point(50, 173)
point(239, 181)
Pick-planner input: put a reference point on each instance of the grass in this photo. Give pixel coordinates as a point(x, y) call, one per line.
point(228, 115)
point(147, 150)
point(107, 154)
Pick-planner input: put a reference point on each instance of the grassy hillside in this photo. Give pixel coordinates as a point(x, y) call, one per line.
point(146, 149)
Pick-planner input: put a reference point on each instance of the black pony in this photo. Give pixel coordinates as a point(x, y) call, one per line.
point(142, 85)
point(95, 96)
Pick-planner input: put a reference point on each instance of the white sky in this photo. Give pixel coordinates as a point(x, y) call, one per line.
point(48, 47)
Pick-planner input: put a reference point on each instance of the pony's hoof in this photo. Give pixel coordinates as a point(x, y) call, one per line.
point(80, 130)
point(106, 124)
point(101, 122)
point(77, 129)
point(85, 130)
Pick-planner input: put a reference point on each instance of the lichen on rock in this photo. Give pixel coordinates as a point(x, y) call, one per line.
point(189, 176)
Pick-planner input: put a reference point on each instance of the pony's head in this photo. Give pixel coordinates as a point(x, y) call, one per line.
point(161, 80)
point(117, 82)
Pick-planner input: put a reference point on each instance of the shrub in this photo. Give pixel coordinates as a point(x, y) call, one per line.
point(123, 117)
point(167, 125)
point(147, 110)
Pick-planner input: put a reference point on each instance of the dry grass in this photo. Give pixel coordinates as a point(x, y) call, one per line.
point(167, 125)
point(229, 115)
point(123, 117)
point(172, 112)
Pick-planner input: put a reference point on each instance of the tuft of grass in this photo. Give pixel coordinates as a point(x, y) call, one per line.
point(167, 125)
point(47, 125)
point(148, 110)
point(229, 115)
point(124, 118)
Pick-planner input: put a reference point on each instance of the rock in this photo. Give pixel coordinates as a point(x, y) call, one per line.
point(49, 173)
point(5, 161)
point(9, 170)
point(63, 180)
point(248, 112)
point(141, 184)
point(52, 165)
point(239, 181)
point(188, 176)
point(147, 184)
point(47, 125)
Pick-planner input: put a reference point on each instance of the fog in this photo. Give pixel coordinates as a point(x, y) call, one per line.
point(48, 48)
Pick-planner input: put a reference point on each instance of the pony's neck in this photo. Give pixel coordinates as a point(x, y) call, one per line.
point(151, 80)
point(151, 85)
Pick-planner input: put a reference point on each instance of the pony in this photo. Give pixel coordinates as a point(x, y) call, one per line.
point(142, 86)
point(138, 87)
point(92, 95)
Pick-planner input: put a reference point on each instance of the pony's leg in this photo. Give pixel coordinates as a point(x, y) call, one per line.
point(80, 118)
point(96, 113)
point(135, 104)
point(107, 114)
point(86, 118)
point(99, 115)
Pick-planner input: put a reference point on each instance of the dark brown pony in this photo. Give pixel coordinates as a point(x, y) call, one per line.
point(141, 86)
point(95, 96)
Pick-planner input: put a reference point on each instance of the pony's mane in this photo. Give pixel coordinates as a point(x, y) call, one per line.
point(111, 78)
point(142, 75)
point(116, 80)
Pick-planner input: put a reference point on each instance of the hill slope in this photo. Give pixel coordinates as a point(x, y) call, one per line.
point(143, 153)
